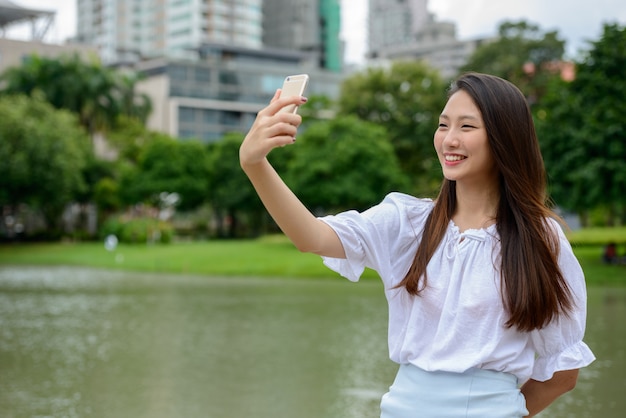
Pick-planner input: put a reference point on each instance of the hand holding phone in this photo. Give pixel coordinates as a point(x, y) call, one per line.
point(294, 85)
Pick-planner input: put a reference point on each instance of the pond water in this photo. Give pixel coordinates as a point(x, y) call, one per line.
point(89, 343)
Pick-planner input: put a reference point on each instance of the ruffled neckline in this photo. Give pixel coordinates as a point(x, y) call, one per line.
point(480, 233)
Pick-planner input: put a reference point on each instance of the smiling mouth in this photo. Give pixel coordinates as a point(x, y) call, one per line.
point(454, 158)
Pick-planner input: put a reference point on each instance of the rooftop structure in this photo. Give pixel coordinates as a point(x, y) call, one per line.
point(12, 14)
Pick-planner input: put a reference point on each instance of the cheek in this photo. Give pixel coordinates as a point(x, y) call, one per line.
point(437, 141)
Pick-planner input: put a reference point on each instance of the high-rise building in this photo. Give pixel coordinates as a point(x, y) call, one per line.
point(405, 30)
point(131, 29)
point(305, 25)
point(393, 23)
point(206, 67)
point(223, 90)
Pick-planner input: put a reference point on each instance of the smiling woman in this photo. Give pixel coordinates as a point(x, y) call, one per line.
point(485, 256)
point(463, 147)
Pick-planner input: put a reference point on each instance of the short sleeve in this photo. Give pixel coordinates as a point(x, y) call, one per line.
point(378, 236)
point(559, 346)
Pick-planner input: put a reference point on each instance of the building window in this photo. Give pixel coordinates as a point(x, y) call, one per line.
point(230, 118)
point(210, 116)
point(186, 114)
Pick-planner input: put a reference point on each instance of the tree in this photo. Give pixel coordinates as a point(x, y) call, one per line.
point(168, 165)
point(523, 54)
point(98, 95)
point(583, 132)
point(344, 163)
point(238, 209)
point(406, 99)
point(43, 153)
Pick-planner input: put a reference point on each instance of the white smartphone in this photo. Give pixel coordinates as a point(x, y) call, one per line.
point(294, 85)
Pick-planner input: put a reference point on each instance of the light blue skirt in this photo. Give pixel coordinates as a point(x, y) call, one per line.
point(475, 393)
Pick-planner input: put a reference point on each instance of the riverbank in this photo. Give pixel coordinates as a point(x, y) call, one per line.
point(271, 256)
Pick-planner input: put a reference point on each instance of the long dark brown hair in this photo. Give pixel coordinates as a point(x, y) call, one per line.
point(534, 290)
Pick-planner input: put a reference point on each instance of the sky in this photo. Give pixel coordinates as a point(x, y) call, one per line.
point(575, 20)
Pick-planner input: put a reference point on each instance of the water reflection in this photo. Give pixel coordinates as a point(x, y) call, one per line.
point(78, 343)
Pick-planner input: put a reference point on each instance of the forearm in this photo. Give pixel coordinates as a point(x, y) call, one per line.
point(306, 232)
point(539, 395)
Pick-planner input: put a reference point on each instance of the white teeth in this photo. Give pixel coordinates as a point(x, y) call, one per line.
point(454, 157)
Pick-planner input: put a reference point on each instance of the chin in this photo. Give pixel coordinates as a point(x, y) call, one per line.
point(450, 177)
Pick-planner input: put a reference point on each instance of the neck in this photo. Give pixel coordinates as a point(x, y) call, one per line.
point(476, 207)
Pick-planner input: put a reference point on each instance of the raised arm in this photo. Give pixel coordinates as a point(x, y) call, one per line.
point(270, 130)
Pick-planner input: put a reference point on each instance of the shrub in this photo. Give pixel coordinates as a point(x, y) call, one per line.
point(138, 230)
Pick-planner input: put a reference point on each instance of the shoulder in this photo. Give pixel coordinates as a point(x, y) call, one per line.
point(398, 214)
point(403, 208)
point(411, 205)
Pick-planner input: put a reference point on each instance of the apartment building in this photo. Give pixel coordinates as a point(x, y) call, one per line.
point(131, 30)
point(394, 22)
point(405, 30)
point(305, 25)
point(224, 88)
point(211, 65)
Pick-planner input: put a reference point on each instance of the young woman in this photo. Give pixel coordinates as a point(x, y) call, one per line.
point(487, 303)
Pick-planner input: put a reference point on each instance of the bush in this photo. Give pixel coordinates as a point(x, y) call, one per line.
point(138, 230)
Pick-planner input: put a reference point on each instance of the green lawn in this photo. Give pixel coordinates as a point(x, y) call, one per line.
point(598, 236)
point(267, 257)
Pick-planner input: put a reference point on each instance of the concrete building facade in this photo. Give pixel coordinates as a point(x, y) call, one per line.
point(416, 35)
point(438, 46)
point(224, 88)
point(394, 22)
point(14, 53)
point(305, 25)
point(211, 65)
point(129, 30)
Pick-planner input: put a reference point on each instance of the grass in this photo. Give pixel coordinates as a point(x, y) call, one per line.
point(267, 257)
point(270, 256)
point(598, 236)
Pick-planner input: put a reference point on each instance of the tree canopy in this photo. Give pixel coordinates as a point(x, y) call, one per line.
point(583, 132)
point(230, 192)
point(97, 94)
point(168, 165)
point(406, 99)
point(43, 152)
point(344, 163)
point(524, 54)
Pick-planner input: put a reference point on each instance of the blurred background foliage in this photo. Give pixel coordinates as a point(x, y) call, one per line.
point(377, 137)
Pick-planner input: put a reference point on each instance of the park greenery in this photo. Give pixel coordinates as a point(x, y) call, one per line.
point(271, 256)
point(379, 139)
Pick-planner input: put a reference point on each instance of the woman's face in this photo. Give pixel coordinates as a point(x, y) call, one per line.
point(461, 142)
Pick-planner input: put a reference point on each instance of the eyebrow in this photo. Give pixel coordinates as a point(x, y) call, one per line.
point(462, 117)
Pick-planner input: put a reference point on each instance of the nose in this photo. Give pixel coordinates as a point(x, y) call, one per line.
point(450, 139)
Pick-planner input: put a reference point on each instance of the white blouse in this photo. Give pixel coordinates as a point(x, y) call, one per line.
point(457, 322)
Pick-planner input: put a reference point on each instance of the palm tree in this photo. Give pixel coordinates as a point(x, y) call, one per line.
point(97, 94)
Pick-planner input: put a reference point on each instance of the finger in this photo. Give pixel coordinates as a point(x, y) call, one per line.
point(281, 102)
point(276, 95)
point(282, 140)
point(281, 129)
point(286, 117)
